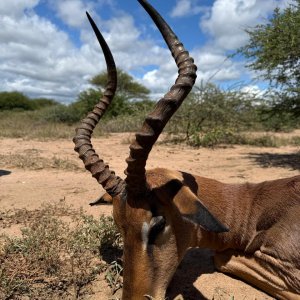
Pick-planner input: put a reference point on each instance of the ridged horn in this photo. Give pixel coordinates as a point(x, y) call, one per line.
point(164, 109)
point(107, 178)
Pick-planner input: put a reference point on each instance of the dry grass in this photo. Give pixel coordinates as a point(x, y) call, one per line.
point(262, 139)
point(56, 259)
point(33, 161)
point(32, 125)
point(222, 137)
point(29, 125)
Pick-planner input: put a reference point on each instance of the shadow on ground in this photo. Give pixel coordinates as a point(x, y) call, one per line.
point(266, 160)
point(4, 172)
point(195, 263)
point(110, 254)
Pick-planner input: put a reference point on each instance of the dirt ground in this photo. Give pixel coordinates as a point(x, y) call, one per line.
point(26, 184)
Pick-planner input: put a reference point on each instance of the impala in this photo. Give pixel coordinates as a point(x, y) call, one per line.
point(253, 228)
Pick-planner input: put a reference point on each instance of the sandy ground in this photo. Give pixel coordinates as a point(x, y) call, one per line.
point(22, 187)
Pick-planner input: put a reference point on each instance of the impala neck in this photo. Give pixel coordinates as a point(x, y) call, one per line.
point(233, 206)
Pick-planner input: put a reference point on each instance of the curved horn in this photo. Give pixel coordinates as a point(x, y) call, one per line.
point(164, 109)
point(107, 178)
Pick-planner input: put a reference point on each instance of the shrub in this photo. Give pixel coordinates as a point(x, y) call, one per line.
point(216, 137)
point(15, 101)
point(120, 106)
point(60, 114)
point(264, 141)
point(19, 102)
point(272, 120)
point(54, 259)
point(40, 103)
point(209, 107)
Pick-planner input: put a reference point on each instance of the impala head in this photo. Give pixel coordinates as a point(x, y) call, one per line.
point(156, 213)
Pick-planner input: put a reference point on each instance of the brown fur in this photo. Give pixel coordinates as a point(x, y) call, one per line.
point(261, 247)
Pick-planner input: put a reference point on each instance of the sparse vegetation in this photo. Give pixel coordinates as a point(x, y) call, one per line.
point(209, 117)
point(28, 124)
point(19, 102)
point(54, 258)
point(32, 160)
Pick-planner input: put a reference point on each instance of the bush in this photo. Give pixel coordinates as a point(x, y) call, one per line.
point(19, 102)
point(120, 105)
point(15, 101)
point(263, 141)
point(216, 137)
point(60, 114)
point(272, 120)
point(54, 259)
point(40, 103)
point(209, 107)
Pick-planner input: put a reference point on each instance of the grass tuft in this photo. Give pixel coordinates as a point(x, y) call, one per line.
point(33, 161)
point(55, 258)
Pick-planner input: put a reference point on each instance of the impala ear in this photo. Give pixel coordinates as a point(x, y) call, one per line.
point(193, 210)
point(104, 199)
point(189, 205)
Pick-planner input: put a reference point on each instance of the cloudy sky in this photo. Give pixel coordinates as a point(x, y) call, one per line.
point(48, 48)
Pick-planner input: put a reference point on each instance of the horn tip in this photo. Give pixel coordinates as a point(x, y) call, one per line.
point(89, 18)
point(142, 1)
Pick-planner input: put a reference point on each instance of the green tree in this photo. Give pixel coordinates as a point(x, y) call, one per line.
point(18, 101)
point(208, 108)
point(39, 103)
point(128, 92)
point(127, 88)
point(274, 50)
point(15, 101)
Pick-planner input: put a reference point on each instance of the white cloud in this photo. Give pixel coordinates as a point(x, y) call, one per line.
point(72, 12)
point(185, 8)
point(122, 33)
point(228, 19)
point(253, 90)
point(39, 59)
point(224, 23)
point(131, 52)
point(16, 7)
point(213, 65)
point(159, 80)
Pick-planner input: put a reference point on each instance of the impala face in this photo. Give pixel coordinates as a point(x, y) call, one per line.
point(148, 237)
point(157, 228)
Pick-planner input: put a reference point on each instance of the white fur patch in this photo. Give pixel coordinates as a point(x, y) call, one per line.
point(167, 230)
point(145, 234)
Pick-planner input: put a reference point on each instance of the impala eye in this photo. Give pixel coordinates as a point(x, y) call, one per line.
point(157, 225)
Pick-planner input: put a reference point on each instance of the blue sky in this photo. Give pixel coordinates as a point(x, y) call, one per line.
point(48, 48)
